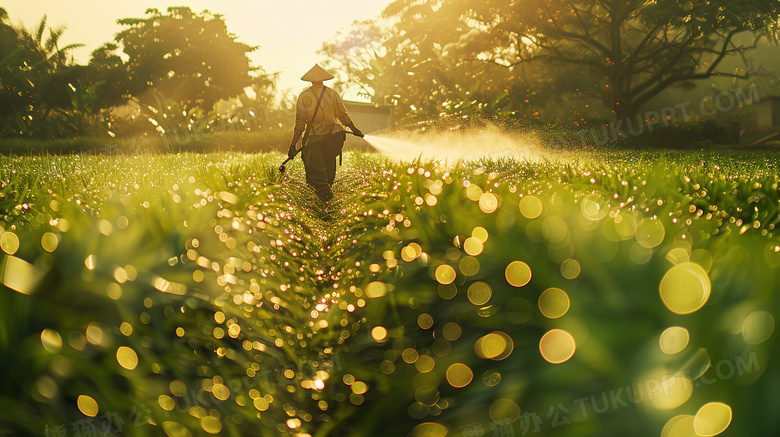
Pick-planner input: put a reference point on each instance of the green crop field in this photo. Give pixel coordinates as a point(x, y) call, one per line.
point(591, 295)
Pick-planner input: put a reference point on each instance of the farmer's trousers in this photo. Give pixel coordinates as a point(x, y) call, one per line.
point(320, 165)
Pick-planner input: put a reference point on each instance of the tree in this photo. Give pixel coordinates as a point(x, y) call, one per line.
point(188, 57)
point(29, 60)
point(51, 56)
point(638, 47)
point(419, 58)
point(106, 66)
point(407, 64)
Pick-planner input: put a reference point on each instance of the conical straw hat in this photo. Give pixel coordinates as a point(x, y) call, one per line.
point(317, 74)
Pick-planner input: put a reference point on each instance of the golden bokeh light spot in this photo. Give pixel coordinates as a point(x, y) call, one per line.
point(17, 274)
point(667, 391)
point(126, 357)
point(424, 363)
point(379, 333)
point(510, 346)
point(480, 234)
point(685, 288)
point(459, 375)
point(494, 346)
point(177, 388)
point(469, 265)
point(703, 258)
point(518, 274)
point(126, 328)
point(356, 399)
point(530, 207)
point(678, 255)
point(87, 405)
point(120, 275)
point(474, 192)
point(674, 340)
point(712, 419)
point(591, 209)
point(491, 378)
point(650, 233)
point(445, 274)
point(451, 331)
point(166, 402)
point(411, 252)
point(105, 227)
point(51, 340)
point(554, 303)
point(220, 391)
point(409, 355)
point(479, 293)
point(625, 225)
point(448, 291)
point(89, 262)
point(557, 346)
point(261, 404)
point(429, 429)
point(49, 242)
point(425, 321)
point(376, 289)
point(472, 246)
point(210, 425)
point(9, 242)
point(679, 426)
point(114, 291)
point(359, 387)
point(94, 333)
point(758, 327)
point(427, 395)
point(488, 203)
point(174, 429)
point(570, 269)
point(47, 387)
point(504, 411)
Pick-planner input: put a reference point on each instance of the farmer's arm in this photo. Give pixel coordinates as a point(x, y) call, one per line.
point(300, 126)
point(343, 116)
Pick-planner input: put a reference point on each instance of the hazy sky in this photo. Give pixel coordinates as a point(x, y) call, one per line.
point(288, 32)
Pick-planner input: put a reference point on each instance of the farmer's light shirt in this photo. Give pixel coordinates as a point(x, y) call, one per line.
point(331, 109)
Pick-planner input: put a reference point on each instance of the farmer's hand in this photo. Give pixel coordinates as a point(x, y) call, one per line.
point(357, 131)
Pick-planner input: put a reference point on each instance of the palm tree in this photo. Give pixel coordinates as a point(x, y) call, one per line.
point(48, 50)
point(31, 58)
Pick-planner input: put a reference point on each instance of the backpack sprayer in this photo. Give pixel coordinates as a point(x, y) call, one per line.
point(283, 167)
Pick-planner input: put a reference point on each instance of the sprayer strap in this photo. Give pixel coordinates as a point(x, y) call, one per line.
point(310, 123)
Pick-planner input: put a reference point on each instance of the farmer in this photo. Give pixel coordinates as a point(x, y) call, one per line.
point(316, 115)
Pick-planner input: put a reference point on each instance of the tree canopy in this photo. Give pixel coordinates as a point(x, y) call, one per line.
point(29, 60)
point(622, 53)
point(639, 47)
point(190, 58)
